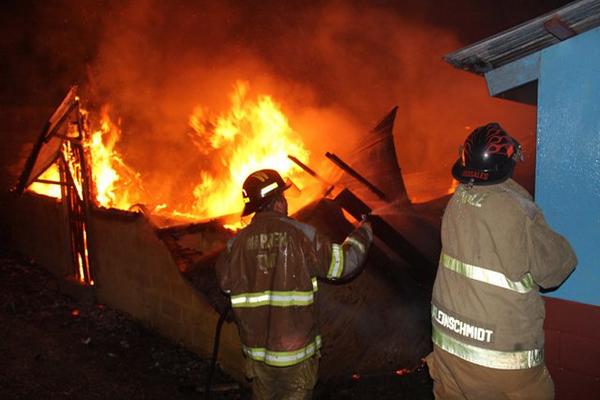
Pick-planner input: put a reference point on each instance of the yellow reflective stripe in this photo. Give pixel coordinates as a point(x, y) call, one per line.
point(487, 358)
point(487, 276)
point(283, 358)
point(275, 298)
point(337, 261)
point(356, 244)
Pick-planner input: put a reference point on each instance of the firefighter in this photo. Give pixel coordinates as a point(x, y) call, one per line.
point(497, 251)
point(270, 269)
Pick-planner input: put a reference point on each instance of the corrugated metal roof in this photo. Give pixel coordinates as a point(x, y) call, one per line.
point(524, 39)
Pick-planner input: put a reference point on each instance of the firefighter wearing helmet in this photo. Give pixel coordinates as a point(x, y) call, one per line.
point(497, 251)
point(270, 270)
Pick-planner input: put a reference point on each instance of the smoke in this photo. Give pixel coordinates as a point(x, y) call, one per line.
point(335, 68)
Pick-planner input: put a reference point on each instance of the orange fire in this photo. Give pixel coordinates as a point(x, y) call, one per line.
point(52, 174)
point(116, 184)
point(252, 135)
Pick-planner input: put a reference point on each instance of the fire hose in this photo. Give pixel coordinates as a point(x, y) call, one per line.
point(215, 353)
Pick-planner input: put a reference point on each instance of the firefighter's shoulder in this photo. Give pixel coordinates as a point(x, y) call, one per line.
point(308, 230)
point(509, 197)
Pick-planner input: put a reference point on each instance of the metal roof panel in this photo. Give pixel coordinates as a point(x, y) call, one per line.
point(524, 39)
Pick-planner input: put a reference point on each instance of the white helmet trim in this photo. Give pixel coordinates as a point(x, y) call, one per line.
point(268, 189)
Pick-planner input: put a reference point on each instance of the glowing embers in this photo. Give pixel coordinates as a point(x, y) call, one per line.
point(388, 376)
point(83, 257)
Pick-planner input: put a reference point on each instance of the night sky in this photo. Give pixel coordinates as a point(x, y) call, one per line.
point(47, 45)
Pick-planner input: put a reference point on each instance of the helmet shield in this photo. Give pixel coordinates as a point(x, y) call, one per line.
point(260, 187)
point(488, 156)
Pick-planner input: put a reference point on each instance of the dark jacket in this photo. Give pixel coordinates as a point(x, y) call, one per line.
point(270, 270)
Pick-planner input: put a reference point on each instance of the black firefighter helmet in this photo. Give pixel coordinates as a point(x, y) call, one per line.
point(260, 187)
point(488, 156)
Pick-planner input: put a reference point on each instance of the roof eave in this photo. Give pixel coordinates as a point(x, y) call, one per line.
point(526, 38)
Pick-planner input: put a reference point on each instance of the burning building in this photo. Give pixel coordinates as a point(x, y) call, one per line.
point(132, 202)
point(157, 263)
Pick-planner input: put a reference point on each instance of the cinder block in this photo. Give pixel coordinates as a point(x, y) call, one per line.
point(171, 309)
point(192, 299)
point(571, 385)
point(144, 279)
point(552, 348)
point(162, 285)
point(179, 291)
point(155, 280)
point(202, 339)
point(190, 316)
point(129, 297)
point(580, 354)
point(573, 318)
point(188, 333)
point(128, 275)
point(150, 300)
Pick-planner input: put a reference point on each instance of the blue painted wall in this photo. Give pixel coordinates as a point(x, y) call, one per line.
point(568, 155)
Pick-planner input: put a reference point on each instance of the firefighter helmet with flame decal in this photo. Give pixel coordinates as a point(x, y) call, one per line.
point(260, 187)
point(488, 156)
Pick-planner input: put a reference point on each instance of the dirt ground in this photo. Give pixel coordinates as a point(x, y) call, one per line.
point(55, 347)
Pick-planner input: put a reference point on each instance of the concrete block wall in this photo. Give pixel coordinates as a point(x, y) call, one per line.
point(36, 226)
point(573, 348)
point(136, 273)
point(132, 269)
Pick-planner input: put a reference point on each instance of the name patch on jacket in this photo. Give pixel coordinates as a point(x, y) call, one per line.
point(461, 327)
point(267, 247)
point(267, 241)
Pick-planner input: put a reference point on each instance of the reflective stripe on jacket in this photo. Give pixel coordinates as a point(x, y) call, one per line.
point(270, 270)
point(497, 250)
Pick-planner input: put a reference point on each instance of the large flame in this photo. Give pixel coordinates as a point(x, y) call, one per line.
point(252, 135)
point(52, 174)
point(116, 184)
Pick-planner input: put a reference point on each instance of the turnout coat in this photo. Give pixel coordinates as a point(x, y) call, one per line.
point(497, 251)
point(270, 270)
